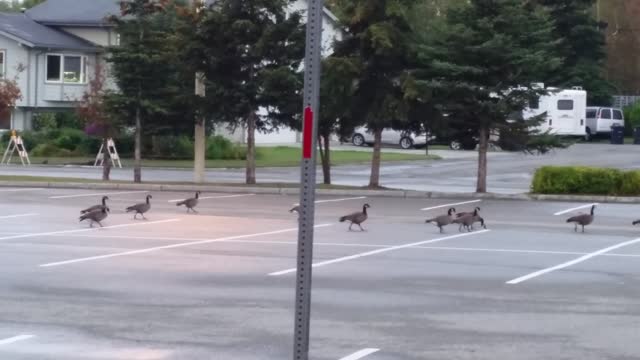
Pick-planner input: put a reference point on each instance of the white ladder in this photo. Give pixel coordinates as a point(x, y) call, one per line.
point(15, 144)
point(113, 154)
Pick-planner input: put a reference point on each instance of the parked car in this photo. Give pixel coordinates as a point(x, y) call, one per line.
point(406, 140)
point(455, 139)
point(600, 120)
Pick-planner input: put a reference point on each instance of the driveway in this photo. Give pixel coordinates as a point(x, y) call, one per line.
point(508, 172)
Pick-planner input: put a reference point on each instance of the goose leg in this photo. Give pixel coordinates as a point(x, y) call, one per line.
point(441, 229)
point(582, 228)
point(135, 216)
point(91, 223)
point(361, 229)
point(575, 229)
point(99, 223)
point(350, 225)
point(144, 217)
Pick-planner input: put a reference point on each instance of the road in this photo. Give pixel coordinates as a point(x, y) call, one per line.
point(508, 172)
point(216, 285)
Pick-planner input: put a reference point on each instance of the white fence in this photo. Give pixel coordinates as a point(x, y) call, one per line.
point(621, 101)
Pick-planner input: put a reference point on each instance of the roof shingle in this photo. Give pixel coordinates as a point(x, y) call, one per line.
point(37, 35)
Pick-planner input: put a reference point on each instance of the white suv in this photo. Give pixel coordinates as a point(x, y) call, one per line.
point(600, 120)
point(405, 139)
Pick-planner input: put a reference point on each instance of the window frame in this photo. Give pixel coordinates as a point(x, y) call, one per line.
point(616, 111)
point(3, 65)
point(83, 69)
point(565, 101)
point(601, 115)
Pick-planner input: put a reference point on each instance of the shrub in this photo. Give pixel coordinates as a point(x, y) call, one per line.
point(50, 150)
point(172, 147)
point(221, 148)
point(585, 180)
point(70, 139)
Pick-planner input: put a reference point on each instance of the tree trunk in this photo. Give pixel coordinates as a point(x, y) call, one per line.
point(137, 163)
point(325, 155)
point(106, 160)
point(251, 149)
point(374, 181)
point(483, 146)
point(199, 152)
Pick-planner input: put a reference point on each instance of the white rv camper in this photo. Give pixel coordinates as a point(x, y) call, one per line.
point(566, 111)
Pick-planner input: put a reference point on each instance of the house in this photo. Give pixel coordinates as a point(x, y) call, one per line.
point(59, 43)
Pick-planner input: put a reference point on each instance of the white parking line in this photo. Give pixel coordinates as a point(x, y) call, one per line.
point(574, 209)
point(448, 205)
point(15, 339)
point(216, 197)
point(21, 189)
point(17, 216)
point(96, 194)
point(173, 246)
point(379, 251)
point(336, 200)
point(572, 262)
point(21, 236)
point(360, 354)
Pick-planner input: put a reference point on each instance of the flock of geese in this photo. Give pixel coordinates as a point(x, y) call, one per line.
point(464, 220)
point(97, 213)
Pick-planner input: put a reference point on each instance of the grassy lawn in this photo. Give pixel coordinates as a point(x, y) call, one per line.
point(266, 157)
point(27, 179)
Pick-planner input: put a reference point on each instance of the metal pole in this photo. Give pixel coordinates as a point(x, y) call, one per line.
point(308, 179)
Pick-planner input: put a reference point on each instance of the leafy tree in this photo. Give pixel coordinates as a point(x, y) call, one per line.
point(93, 109)
point(582, 47)
point(501, 47)
point(377, 44)
point(10, 92)
point(249, 53)
point(336, 89)
point(140, 67)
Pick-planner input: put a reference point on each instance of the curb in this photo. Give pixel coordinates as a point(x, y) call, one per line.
point(408, 194)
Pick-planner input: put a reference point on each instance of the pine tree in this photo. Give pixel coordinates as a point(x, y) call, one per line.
point(378, 44)
point(141, 68)
point(582, 46)
point(484, 61)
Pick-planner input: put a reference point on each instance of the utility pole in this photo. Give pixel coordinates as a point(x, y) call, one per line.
point(310, 106)
point(199, 133)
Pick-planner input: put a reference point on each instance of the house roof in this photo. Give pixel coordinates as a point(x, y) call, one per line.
point(24, 30)
point(89, 13)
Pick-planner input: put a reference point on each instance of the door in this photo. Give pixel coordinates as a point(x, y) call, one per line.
point(618, 117)
point(566, 121)
point(390, 136)
point(605, 121)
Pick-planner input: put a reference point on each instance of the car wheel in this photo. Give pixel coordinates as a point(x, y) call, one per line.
point(357, 140)
point(406, 143)
point(455, 145)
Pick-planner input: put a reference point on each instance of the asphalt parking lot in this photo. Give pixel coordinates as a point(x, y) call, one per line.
point(218, 284)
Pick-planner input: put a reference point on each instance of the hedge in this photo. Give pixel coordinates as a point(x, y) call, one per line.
point(69, 142)
point(585, 180)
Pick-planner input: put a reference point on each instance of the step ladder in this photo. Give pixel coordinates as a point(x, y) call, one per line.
point(113, 154)
point(15, 144)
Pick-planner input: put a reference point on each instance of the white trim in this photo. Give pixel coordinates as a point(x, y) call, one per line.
point(83, 67)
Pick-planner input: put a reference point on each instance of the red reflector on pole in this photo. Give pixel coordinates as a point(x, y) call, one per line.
point(307, 135)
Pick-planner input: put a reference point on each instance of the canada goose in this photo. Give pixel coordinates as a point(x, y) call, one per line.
point(96, 216)
point(636, 222)
point(96, 207)
point(460, 214)
point(295, 208)
point(582, 219)
point(443, 220)
point(190, 203)
point(468, 220)
point(357, 217)
point(141, 208)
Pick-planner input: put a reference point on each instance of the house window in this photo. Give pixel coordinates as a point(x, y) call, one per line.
point(2, 64)
point(70, 69)
point(5, 120)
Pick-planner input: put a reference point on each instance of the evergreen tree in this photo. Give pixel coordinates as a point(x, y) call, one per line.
point(582, 46)
point(336, 90)
point(377, 44)
point(484, 61)
point(141, 68)
point(249, 53)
